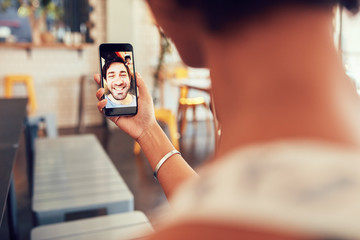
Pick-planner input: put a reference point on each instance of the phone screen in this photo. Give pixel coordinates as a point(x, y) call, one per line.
point(118, 79)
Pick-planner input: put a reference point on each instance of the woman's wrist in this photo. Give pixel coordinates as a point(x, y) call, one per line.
point(155, 144)
point(147, 133)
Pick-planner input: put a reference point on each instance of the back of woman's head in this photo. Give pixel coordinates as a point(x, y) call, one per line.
point(220, 13)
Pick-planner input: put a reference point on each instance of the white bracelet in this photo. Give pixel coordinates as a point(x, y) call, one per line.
point(161, 162)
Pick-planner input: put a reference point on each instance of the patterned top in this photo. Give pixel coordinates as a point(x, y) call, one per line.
point(111, 104)
point(301, 186)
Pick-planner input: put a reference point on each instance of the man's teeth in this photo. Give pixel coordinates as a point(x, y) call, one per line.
point(119, 89)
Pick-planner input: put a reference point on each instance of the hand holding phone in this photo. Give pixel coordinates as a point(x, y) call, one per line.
point(145, 117)
point(118, 79)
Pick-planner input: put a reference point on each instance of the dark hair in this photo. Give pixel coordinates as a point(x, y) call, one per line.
point(127, 57)
point(219, 13)
point(117, 59)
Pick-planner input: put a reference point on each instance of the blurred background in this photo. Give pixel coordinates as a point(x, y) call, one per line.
point(49, 54)
point(53, 46)
point(56, 42)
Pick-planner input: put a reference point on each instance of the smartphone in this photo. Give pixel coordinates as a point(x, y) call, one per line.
point(118, 78)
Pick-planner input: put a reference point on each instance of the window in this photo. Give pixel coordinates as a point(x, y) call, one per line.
point(45, 21)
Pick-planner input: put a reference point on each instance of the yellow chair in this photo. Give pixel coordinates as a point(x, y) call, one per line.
point(167, 117)
point(27, 80)
point(185, 102)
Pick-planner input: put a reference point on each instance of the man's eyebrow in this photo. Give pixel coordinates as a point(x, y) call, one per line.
point(112, 72)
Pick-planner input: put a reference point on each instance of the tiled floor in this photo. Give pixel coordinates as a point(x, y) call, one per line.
point(196, 146)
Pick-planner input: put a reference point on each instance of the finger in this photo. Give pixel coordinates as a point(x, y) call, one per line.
point(101, 105)
point(97, 78)
point(142, 88)
point(100, 93)
point(139, 80)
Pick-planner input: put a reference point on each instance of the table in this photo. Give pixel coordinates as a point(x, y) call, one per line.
point(73, 174)
point(12, 116)
point(130, 225)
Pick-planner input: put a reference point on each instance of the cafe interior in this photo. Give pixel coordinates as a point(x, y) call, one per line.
point(67, 171)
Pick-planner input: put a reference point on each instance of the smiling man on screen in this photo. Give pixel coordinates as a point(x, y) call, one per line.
point(119, 79)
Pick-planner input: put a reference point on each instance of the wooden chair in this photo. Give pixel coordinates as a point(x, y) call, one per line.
point(186, 102)
point(87, 103)
point(27, 80)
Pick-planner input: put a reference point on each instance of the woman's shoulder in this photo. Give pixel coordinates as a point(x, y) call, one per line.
point(208, 230)
point(299, 183)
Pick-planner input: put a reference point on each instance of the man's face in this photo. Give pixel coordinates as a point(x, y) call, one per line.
point(118, 80)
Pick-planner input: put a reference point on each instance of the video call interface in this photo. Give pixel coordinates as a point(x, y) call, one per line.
point(118, 78)
point(126, 56)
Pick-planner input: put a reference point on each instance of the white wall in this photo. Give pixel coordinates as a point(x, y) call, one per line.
point(119, 21)
point(57, 72)
point(351, 45)
point(140, 30)
point(130, 21)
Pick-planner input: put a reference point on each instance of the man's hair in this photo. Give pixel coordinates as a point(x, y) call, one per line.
point(220, 13)
point(127, 57)
point(117, 59)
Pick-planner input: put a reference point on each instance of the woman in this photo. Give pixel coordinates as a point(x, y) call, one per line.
point(287, 165)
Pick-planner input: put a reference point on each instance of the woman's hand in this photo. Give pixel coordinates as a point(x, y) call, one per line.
point(152, 139)
point(134, 126)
